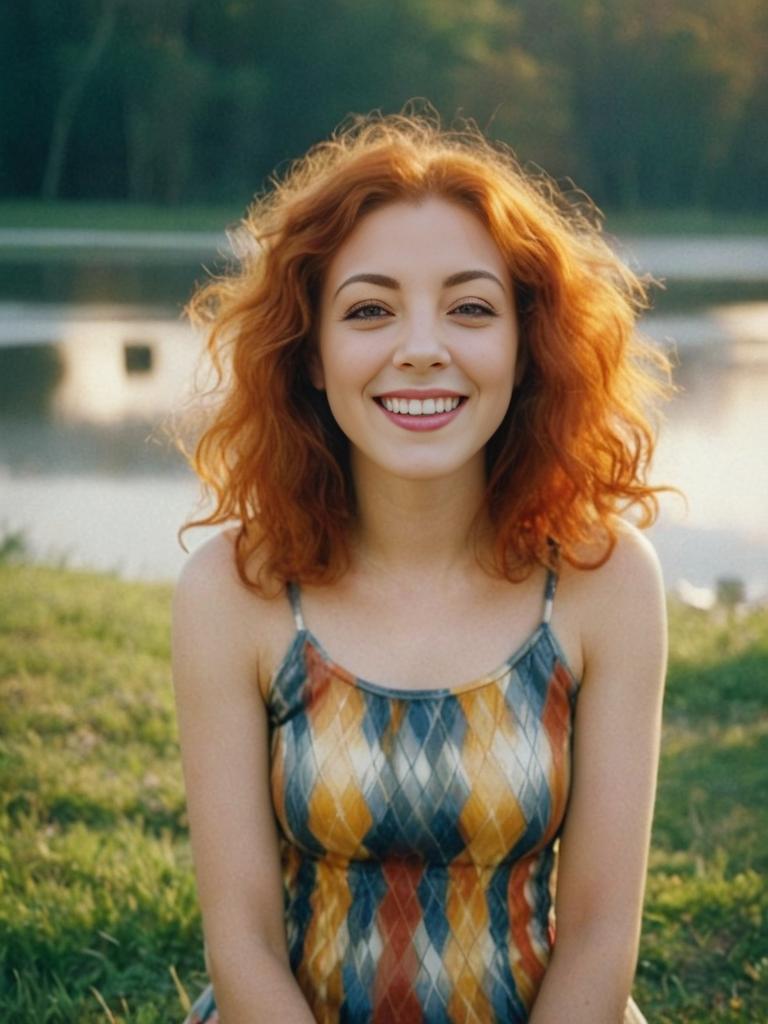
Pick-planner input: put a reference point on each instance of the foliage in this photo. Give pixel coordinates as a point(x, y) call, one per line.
point(98, 912)
point(96, 888)
point(704, 955)
point(13, 545)
point(643, 103)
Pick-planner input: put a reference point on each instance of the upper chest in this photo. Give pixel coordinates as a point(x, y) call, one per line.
point(423, 637)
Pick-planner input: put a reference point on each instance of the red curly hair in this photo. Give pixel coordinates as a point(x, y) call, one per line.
point(574, 448)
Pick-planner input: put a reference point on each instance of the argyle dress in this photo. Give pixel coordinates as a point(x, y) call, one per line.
point(418, 834)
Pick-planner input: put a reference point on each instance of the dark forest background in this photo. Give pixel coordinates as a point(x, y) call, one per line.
point(643, 103)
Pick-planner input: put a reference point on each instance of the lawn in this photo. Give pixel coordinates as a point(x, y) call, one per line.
point(114, 216)
point(98, 916)
point(37, 213)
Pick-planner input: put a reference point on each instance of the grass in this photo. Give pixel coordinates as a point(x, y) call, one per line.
point(36, 213)
point(681, 221)
point(96, 888)
point(704, 954)
point(98, 914)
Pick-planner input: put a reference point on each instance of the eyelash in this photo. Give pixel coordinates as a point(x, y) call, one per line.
point(351, 315)
point(484, 310)
point(358, 309)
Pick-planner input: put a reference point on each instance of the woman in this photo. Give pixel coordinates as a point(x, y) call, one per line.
point(431, 415)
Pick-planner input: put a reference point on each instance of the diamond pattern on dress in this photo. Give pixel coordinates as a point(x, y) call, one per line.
point(421, 786)
point(418, 837)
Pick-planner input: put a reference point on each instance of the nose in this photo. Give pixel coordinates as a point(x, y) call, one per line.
point(420, 346)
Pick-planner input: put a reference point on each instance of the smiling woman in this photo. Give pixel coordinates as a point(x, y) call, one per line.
point(432, 411)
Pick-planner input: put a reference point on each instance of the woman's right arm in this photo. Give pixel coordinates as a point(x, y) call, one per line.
point(223, 734)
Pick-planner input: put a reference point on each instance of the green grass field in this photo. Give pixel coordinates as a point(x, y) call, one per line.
point(98, 913)
point(35, 213)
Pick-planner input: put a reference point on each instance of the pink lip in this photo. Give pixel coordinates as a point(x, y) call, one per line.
point(433, 421)
point(421, 393)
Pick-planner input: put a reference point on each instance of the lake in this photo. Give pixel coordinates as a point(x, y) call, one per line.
point(94, 356)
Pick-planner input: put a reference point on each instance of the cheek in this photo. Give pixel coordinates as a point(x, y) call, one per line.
point(347, 368)
point(497, 362)
point(334, 372)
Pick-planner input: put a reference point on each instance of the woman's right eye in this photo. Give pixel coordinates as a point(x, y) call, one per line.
point(367, 311)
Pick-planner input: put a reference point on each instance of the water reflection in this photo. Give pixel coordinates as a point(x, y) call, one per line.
point(80, 277)
point(28, 377)
point(88, 473)
point(122, 371)
point(712, 447)
point(714, 442)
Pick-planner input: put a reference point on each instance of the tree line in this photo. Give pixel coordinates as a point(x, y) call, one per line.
point(643, 103)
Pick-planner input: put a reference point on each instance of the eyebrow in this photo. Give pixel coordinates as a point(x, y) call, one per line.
point(389, 282)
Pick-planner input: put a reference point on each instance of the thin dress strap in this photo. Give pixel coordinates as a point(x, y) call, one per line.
point(552, 576)
point(294, 597)
point(549, 595)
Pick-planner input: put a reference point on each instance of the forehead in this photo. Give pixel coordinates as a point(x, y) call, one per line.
point(432, 236)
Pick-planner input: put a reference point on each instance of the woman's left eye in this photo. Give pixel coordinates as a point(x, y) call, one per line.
point(473, 309)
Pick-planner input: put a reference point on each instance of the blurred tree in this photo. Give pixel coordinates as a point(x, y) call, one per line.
point(34, 36)
point(643, 102)
point(164, 87)
point(656, 89)
point(740, 163)
point(81, 64)
point(512, 93)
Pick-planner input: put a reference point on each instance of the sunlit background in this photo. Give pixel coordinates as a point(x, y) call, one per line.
point(146, 128)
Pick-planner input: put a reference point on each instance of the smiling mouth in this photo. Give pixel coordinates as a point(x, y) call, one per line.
point(421, 406)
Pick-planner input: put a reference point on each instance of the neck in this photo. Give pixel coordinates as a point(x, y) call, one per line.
point(418, 528)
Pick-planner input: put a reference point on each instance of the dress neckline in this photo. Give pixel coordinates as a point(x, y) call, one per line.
point(543, 631)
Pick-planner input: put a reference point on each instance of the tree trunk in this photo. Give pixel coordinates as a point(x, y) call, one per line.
point(70, 99)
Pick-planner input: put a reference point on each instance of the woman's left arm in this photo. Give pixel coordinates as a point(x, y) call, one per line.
point(604, 845)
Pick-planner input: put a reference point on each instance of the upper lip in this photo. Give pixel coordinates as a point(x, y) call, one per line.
point(421, 393)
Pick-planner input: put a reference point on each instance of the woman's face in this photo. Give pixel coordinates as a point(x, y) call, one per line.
point(418, 339)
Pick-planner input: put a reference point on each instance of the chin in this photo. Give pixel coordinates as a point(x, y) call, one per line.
point(426, 468)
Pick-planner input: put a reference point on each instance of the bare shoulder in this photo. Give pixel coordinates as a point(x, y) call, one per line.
point(209, 589)
point(630, 576)
point(214, 610)
point(620, 606)
point(210, 564)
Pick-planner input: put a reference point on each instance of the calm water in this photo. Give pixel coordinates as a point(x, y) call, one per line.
point(94, 357)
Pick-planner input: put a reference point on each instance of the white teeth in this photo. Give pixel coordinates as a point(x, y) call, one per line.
point(416, 407)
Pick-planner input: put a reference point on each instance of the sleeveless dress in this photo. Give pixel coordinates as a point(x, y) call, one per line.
point(418, 834)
